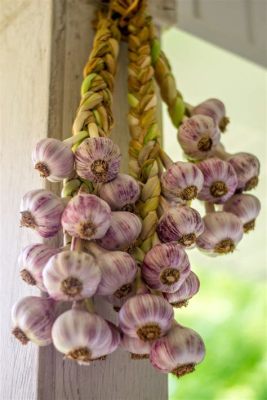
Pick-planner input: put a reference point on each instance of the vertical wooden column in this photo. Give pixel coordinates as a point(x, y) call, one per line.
point(45, 46)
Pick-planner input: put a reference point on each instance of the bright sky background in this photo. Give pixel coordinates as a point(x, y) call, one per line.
point(203, 70)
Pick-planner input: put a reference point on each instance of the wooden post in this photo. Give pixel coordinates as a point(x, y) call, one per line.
point(45, 45)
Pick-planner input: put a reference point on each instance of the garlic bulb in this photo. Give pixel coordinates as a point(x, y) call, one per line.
point(138, 348)
point(32, 261)
point(146, 317)
point(53, 159)
point(82, 336)
point(222, 232)
point(178, 352)
point(246, 207)
point(116, 337)
point(220, 180)
point(215, 109)
point(185, 292)
point(180, 224)
point(32, 319)
point(120, 193)
point(165, 267)
point(247, 168)
point(182, 181)
point(198, 137)
point(41, 210)
point(118, 270)
point(125, 227)
point(86, 216)
point(98, 159)
point(71, 275)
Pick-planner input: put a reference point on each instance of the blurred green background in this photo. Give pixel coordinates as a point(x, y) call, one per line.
point(229, 312)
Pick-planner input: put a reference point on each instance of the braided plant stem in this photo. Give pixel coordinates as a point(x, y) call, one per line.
point(144, 147)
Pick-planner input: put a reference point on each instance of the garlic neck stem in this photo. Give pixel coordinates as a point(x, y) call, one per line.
point(76, 138)
point(209, 207)
point(76, 244)
point(221, 153)
point(165, 159)
point(93, 130)
point(89, 305)
point(95, 250)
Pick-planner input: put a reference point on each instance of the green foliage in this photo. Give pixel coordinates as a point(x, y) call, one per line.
point(229, 314)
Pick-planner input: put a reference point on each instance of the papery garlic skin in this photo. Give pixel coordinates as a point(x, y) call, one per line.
point(178, 352)
point(198, 137)
point(41, 210)
point(180, 224)
point(246, 207)
point(32, 319)
point(182, 181)
point(222, 232)
point(138, 348)
point(213, 108)
point(116, 337)
point(247, 168)
point(146, 317)
point(87, 217)
point(32, 261)
point(53, 159)
point(185, 292)
point(82, 336)
point(220, 180)
point(71, 275)
point(118, 270)
point(125, 227)
point(98, 159)
point(165, 267)
point(120, 193)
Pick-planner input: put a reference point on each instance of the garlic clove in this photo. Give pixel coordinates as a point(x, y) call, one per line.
point(247, 168)
point(138, 348)
point(32, 261)
point(125, 227)
point(118, 270)
point(180, 224)
point(178, 352)
point(246, 207)
point(86, 216)
point(82, 336)
point(222, 232)
point(220, 180)
point(185, 292)
point(146, 317)
point(182, 181)
point(198, 137)
point(215, 109)
point(41, 210)
point(32, 319)
point(53, 159)
point(165, 267)
point(121, 193)
point(71, 275)
point(98, 159)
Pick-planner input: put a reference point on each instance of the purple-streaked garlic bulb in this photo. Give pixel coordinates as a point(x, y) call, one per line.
point(41, 210)
point(246, 207)
point(82, 336)
point(165, 267)
point(116, 337)
point(32, 261)
point(71, 275)
point(186, 291)
point(178, 352)
point(146, 317)
point(118, 270)
point(182, 181)
point(125, 227)
point(121, 193)
point(215, 109)
point(87, 217)
point(222, 231)
point(198, 137)
point(53, 159)
point(138, 348)
point(247, 168)
point(32, 319)
point(98, 159)
point(220, 180)
point(180, 224)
